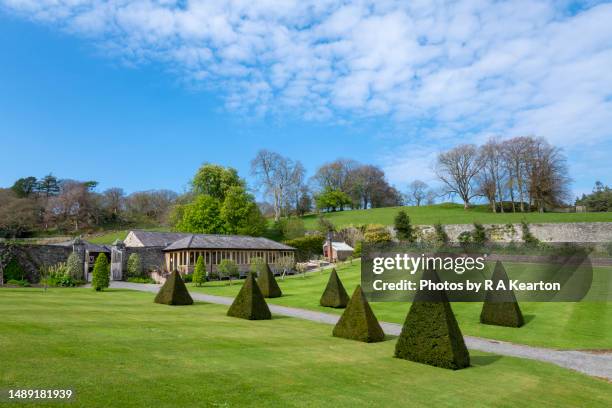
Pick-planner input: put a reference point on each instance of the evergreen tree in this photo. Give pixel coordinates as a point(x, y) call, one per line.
point(101, 273)
point(431, 334)
point(500, 306)
point(74, 266)
point(250, 303)
point(174, 292)
point(199, 273)
point(358, 321)
point(334, 295)
point(404, 230)
point(134, 266)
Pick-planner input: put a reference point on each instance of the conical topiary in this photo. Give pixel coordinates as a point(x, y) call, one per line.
point(250, 303)
point(358, 321)
point(431, 334)
point(100, 276)
point(174, 292)
point(500, 306)
point(334, 295)
point(267, 283)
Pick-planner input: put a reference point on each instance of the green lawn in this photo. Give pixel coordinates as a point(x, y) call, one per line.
point(119, 349)
point(585, 325)
point(449, 214)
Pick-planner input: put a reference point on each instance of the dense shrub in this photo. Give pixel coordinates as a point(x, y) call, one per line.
point(377, 234)
point(187, 278)
point(101, 273)
point(74, 266)
point(307, 247)
point(404, 230)
point(174, 292)
point(528, 237)
point(24, 283)
point(358, 321)
point(479, 234)
point(140, 279)
point(13, 271)
point(500, 306)
point(441, 237)
point(358, 248)
point(334, 295)
point(267, 283)
point(199, 272)
point(250, 303)
point(57, 275)
point(293, 228)
point(430, 334)
point(134, 266)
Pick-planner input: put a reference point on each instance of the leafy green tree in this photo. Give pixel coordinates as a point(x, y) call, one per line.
point(74, 266)
point(332, 200)
point(201, 216)
point(134, 266)
point(101, 273)
point(24, 187)
point(405, 232)
point(216, 181)
point(229, 268)
point(199, 273)
point(240, 214)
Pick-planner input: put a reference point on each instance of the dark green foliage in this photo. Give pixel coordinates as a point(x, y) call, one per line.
point(528, 237)
point(13, 271)
point(599, 200)
point(23, 283)
point(500, 306)
point(431, 334)
point(267, 282)
point(441, 235)
point(358, 321)
point(101, 273)
point(403, 228)
point(479, 234)
point(249, 303)
point(334, 295)
point(306, 247)
point(174, 292)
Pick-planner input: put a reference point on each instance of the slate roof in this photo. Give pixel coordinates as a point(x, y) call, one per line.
point(211, 241)
point(158, 239)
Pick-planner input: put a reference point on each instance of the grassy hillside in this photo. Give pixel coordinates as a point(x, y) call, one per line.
point(108, 237)
point(119, 349)
point(449, 214)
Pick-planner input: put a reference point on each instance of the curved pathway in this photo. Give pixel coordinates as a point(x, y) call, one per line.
point(593, 364)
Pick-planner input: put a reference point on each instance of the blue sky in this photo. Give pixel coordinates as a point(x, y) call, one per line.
point(138, 94)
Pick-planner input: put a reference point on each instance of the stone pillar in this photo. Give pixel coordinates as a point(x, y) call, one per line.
point(118, 260)
point(78, 247)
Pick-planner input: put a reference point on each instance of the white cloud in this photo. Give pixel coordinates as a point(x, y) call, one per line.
point(468, 68)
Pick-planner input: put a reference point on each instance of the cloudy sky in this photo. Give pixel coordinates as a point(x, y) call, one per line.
point(139, 93)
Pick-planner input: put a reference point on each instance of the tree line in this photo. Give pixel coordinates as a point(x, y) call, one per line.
point(518, 174)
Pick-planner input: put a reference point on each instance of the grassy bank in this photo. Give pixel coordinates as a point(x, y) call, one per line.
point(119, 349)
point(449, 214)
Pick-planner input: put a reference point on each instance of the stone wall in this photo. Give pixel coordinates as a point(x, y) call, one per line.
point(600, 232)
point(152, 258)
point(32, 257)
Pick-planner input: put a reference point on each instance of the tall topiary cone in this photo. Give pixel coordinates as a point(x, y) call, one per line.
point(250, 303)
point(174, 292)
point(334, 295)
point(500, 306)
point(267, 284)
point(431, 334)
point(358, 321)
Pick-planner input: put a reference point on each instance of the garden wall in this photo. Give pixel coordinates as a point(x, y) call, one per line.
point(31, 256)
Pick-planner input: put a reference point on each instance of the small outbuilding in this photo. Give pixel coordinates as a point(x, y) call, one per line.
point(341, 251)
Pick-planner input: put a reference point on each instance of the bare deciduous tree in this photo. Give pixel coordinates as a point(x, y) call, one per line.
point(417, 192)
point(457, 169)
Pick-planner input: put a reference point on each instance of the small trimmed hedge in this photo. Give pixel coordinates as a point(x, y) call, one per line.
point(249, 303)
point(174, 292)
point(358, 321)
point(334, 295)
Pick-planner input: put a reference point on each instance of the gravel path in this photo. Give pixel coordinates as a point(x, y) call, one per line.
point(593, 364)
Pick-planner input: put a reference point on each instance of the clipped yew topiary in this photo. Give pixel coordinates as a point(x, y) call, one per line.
point(249, 303)
point(267, 282)
point(100, 278)
point(500, 306)
point(431, 334)
point(174, 292)
point(358, 321)
point(334, 295)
